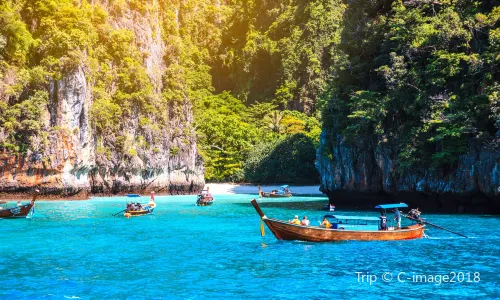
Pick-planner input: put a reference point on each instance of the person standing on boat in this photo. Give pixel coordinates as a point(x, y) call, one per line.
point(305, 221)
point(397, 217)
point(152, 203)
point(383, 221)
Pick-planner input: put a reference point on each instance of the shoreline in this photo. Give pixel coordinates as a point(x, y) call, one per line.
point(215, 188)
point(232, 189)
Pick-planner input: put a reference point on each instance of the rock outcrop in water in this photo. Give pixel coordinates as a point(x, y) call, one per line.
point(365, 175)
point(71, 163)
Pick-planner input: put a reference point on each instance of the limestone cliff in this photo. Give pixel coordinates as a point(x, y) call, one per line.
point(71, 161)
point(364, 174)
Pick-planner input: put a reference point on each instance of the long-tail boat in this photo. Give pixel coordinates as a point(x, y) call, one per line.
point(283, 192)
point(20, 210)
point(204, 198)
point(139, 209)
point(343, 228)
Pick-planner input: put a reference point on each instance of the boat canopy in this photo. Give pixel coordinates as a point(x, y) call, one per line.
point(353, 218)
point(389, 206)
point(284, 186)
point(133, 196)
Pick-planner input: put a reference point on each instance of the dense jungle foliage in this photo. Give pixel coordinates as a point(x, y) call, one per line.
point(419, 76)
point(262, 77)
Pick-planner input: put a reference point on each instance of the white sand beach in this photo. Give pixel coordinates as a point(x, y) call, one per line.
point(229, 188)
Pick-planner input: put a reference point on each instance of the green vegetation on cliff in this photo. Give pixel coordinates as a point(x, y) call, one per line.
point(420, 76)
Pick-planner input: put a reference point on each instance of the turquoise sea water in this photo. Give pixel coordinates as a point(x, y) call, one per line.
point(78, 250)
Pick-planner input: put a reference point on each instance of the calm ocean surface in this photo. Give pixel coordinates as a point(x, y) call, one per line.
point(78, 250)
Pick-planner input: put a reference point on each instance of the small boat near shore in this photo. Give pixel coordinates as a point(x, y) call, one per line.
point(283, 192)
point(204, 198)
point(138, 209)
point(20, 210)
point(344, 228)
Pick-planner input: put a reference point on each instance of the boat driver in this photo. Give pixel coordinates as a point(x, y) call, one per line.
point(397, 217)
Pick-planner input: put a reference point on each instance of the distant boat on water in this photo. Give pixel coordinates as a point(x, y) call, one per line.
point(283, 192)
point(205, 198)
point(138, 208)
point(20, 210)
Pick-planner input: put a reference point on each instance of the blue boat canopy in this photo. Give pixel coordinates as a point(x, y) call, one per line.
point(352, 218)
point(133, 196)
point(284, 186)
point(389, 206)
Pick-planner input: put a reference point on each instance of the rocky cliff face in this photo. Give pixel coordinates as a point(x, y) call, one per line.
point(71, 164)
point(365, 175)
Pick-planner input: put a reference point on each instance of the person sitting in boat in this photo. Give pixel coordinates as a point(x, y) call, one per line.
point(417, 213)
point(325, 223)
point(295, 220)
point(414, 214)
point(383, 221)
point(304, 221)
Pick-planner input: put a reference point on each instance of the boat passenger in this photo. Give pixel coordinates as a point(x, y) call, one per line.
point(19, 203)
point(383, 221)
point(304, 221)
point(295, 220)
point(414, 214)
point(326, 223)
point(417, 213)
point(397, 217)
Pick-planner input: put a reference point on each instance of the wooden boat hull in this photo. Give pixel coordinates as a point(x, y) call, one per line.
point(136, 213)
point(16, 211)
point(283, 230)
point(270, 195)
point(203, 203)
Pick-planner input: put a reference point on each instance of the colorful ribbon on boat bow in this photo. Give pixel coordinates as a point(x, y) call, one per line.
point(262, 229)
